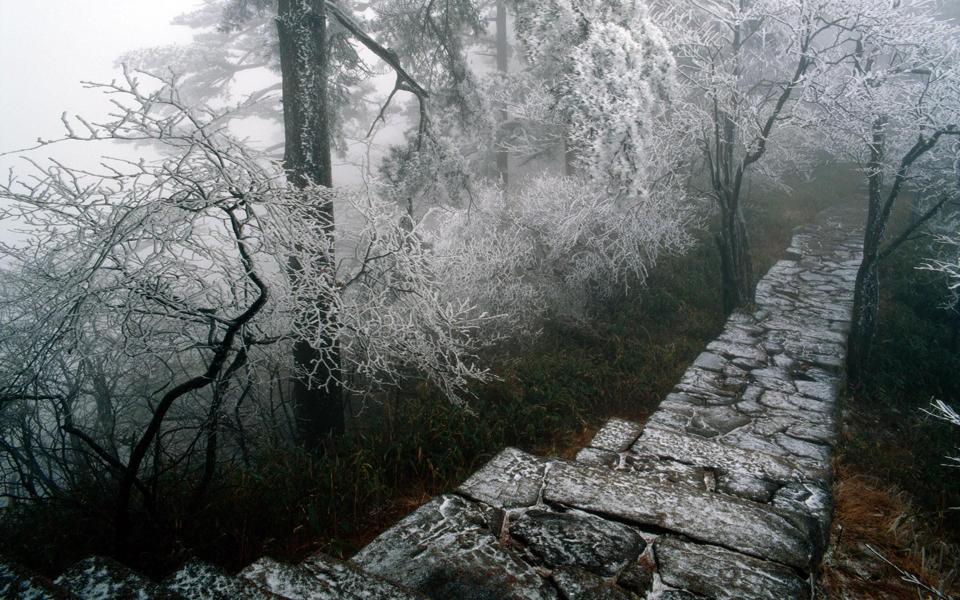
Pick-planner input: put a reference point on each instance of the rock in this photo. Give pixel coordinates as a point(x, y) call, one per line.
point(746, 487)
point(576, 584)
point(804, 449)
point(350, 582)
point(733, 351)
point(577, 539)
point(710, 362)
point(598, 458)
point(791, 402)
point(714, 455)
point(98, 578)
point(19, 583)
point(638, 577)
point(445, 549)
point(616, 435)
point(824, 391)
point(659, 470)
point(705, 421)
point(719, 573)
point(819, 433)
point(811, 499)
point(511, 479)
point(287, 581)
point(201, 581)
point(774, 378)
point(678, 595)
point(751, 528)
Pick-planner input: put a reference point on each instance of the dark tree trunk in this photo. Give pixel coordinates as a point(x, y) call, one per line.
point(866, 305)
point(736, 264)
point(866, 291)
point(503, 157)
point(301, 25)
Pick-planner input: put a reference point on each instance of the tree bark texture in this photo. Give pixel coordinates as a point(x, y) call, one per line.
point(866, 291)
point(503, 157)
point(736, 264)
point(301, 26)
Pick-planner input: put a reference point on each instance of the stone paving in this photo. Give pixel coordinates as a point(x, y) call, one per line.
point(723, 493)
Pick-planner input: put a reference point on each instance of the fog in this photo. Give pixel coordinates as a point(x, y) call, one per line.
point(665, 240)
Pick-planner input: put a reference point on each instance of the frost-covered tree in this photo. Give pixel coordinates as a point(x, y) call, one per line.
point(558, 244)
point(893, 107)
point(146, 301)
point(553, 249)
point(304, 62)
point(610, 75)
point(744, 66)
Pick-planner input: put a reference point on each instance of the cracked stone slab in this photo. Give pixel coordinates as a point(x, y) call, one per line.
point(639, 577)
point(445, 549)
point(98, 578)
point(744, 486)
point(710, 362)
point(616, 435)
point(806, 450)
point(794, 403)
point(201, 581)
point(820, 433)
point(511, 479)
point(774, 378)
point(734, 351)
point(716, 455)
point(576, 584)
point(660, 470)
point(677, 595)
point(754, 529)
point(286, 581)
point(350, 582)
point(578, 539)
point(598, 458)
point(724, 575)
point(705, 421)
point(826, 392)
point(809, 498)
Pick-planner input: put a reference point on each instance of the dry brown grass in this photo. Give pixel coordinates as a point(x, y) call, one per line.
point(879, 539)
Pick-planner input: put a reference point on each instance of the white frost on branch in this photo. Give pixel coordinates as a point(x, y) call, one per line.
point(553, 248)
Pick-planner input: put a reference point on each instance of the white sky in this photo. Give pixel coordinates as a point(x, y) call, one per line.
point(47, 47)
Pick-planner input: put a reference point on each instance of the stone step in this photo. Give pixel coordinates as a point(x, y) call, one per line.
point(511, 479)
point(722, 574)
point(287, 581)
point(762, 531)
point(352, 583)
point(201, 581)
point(19, 583)
point(448, 548)
point(616, 435)
point(701, 452)
point(97, 578)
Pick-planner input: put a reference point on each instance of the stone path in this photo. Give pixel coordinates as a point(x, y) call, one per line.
point(724, 492)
